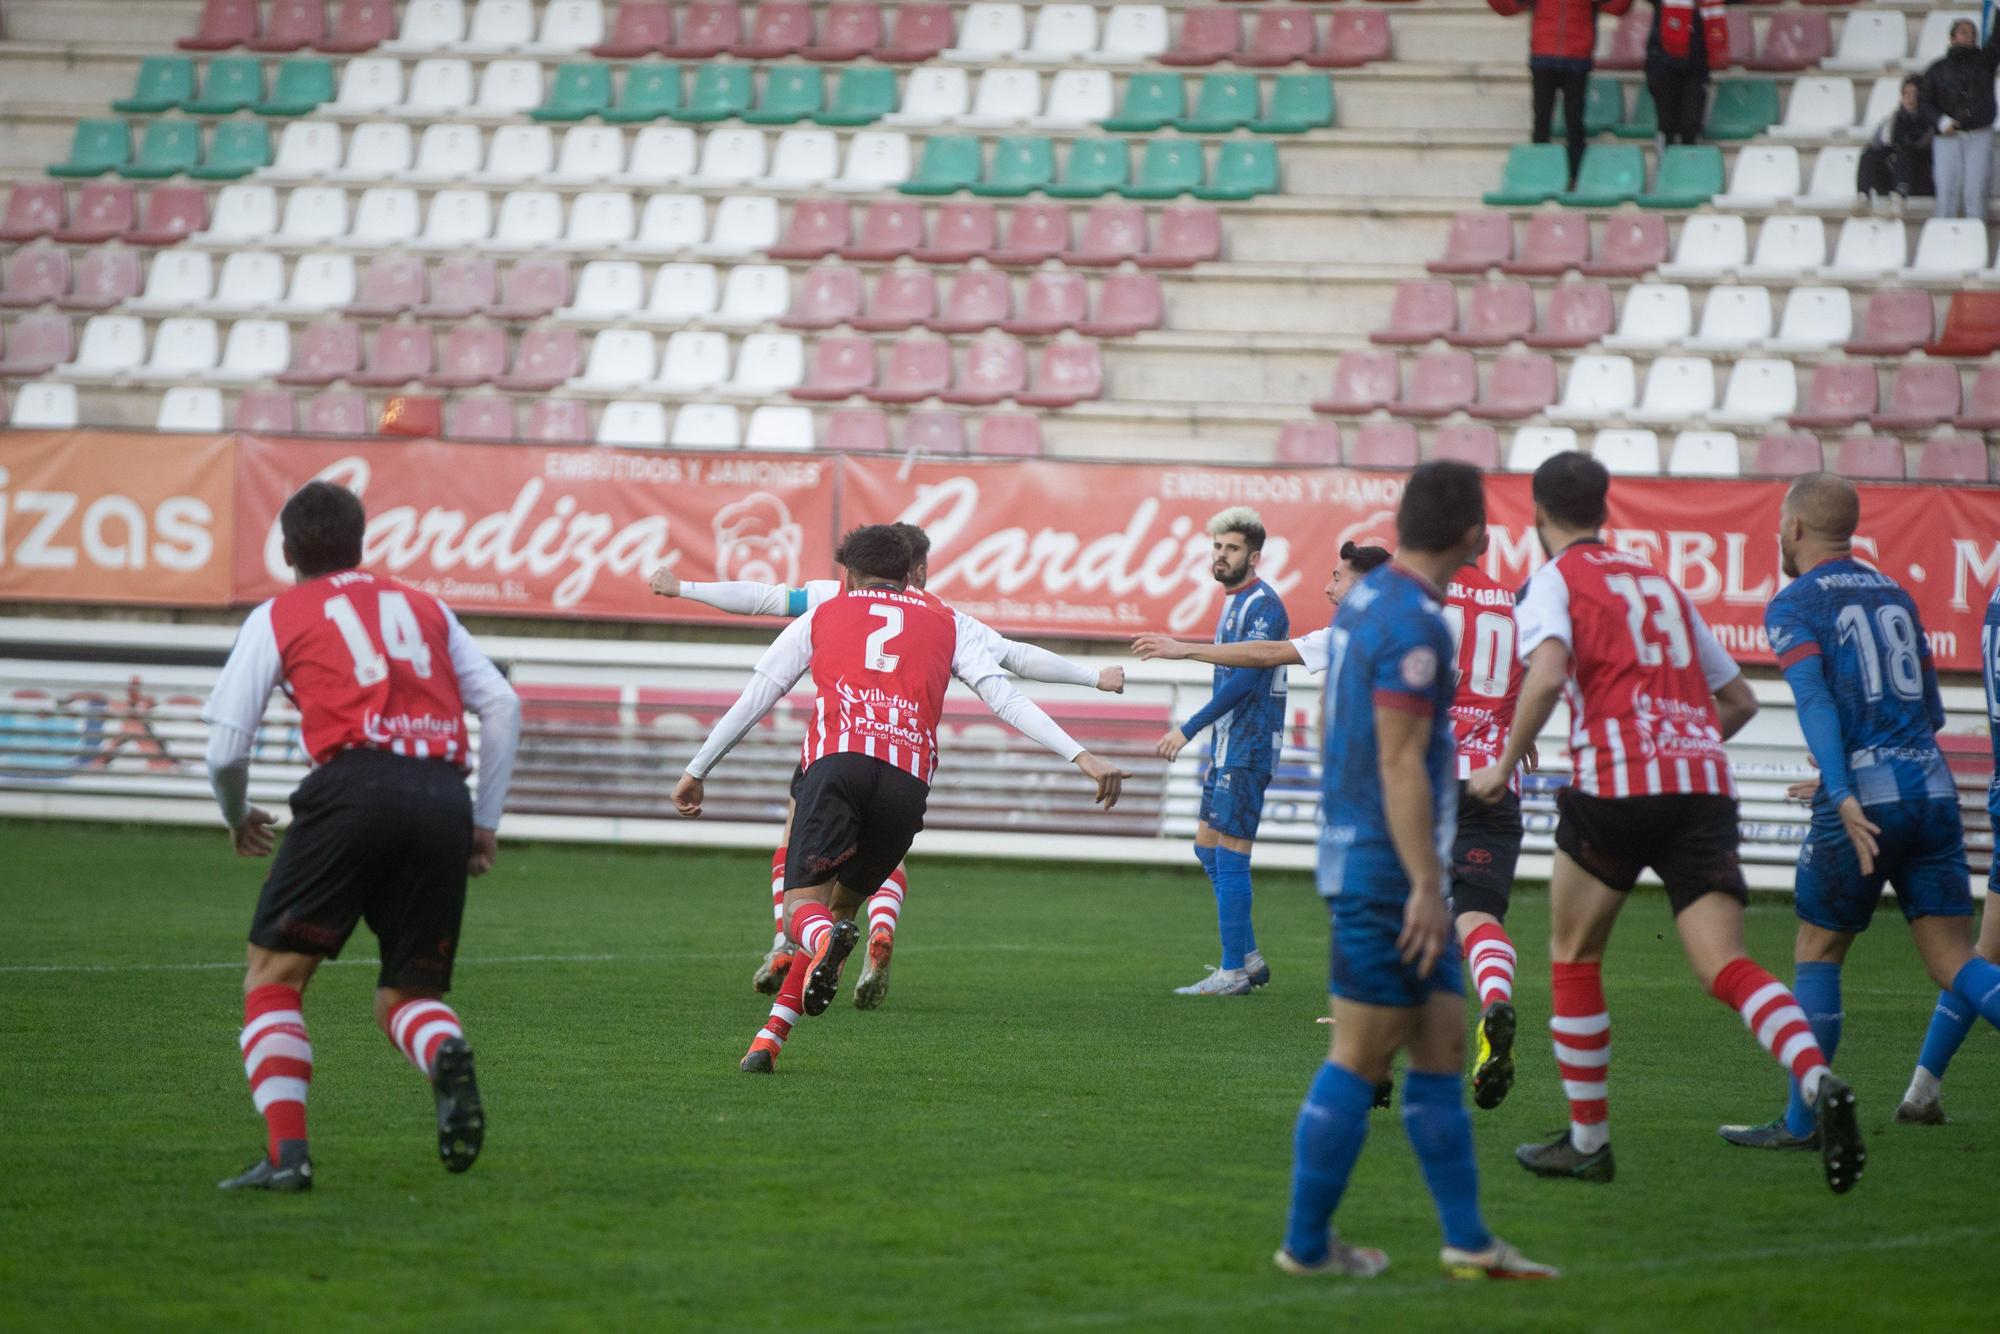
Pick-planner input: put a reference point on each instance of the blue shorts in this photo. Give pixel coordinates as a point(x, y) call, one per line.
point(1365, 966)
point(1232, 800)
point(1922, 855)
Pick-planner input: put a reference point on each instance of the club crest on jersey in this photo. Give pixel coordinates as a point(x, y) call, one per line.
point(1419, 668)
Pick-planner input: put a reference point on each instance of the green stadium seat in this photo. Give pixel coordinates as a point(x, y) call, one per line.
point(651, 90)
point(950, 163)
point(1534, 174)
point(1644, 122)
point(579, 90)
point(862, 97)
point(1168, 168)
point(1225, 102)
point(1095, 167)
point(1610, 174)
point(1299, 102)
point(1690, 176)
point(1020, 166)
point(1604, 106)
point(303, 85)
point(1244, 169)
point(170, 148)
point(1152, 102)
point(164, 83)
point(1744, 108)
point(97, 146)
point(237, 148)
point(792, 93)
point(234, 83)
point(720, 92)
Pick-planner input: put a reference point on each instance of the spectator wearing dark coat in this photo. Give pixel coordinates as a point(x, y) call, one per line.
point(1689, 38)
point(1957, 99)
point(1562, 39)
point(1897, 160)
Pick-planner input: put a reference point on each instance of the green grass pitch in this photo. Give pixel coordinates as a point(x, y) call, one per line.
point(1031, 1134)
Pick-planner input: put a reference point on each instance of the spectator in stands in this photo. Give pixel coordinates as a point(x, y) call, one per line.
point(1958, 100)
point(1561, 41)
point(1897, 161)
point(1689, 38)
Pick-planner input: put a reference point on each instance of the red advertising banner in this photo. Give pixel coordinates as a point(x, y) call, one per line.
point(1106, 550)
point(528, 530)
point(97, 517)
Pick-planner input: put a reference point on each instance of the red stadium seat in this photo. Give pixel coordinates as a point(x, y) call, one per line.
point(978, 299)
point(1066, 374)
point(173, 213)
point(479, 417)
point(1495, 315)
point(960, 232)
point(557, 421)
point(1443, 381)
point(543, 359)
point(1742, 35)
point(1922, 394)
point(1468, 442)
point(919, 33)
point(1971, 326)
point(1553, 244)
point(1127, 303)
point(1628, 40)
point(474, 354)
point(828, 295)
point(1422, 311)
point(1578, 314)
point(411, 416)
point(640, 28)
point(1209, 35)
point(707, 30)
point(901, 299)
point(1112, 233)
point(1363, 380)
point(294, 25)
point(840, 368)
point(934, 432)
point(994, 368)
point(1354, 37)
point(1870, 457)
point(324, 351)
point(460, 287)
point(107, 276)
point(919, 367)
point(34, 208)
point(1279, 37)
point(890, 227)
point(1382, 444)
point(1477, 242)
point(1309, 444)
point(1189, 234)
point(1840, 393)
point(103, 210)
point(1952, 458)
point(397, 354)
point(224, 23)
point(1897, 321)
point(1795, 40)
point(265, 412)
point(35, 274)
point(1787, 454)
point(818, 227)
point(1056, 299)
point(857, 431)
point(1520, 385)
point(848, 32)
point(360, 25)
point(779, 30)
point(1982, 405)
point(533, 288)
point(35, 345)
point(1035, 232)
point(1632, 244)
point(390, 285)
point(1010, 435)
point(336, 412)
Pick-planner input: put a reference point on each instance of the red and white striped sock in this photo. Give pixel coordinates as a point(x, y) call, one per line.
point(1490, 956)
point(417, 1027)
point(278, 1059)
point(784, 1012)
point(778, 899)
point(885, 905)
point(1581, 1025)
point(1771, 1012)
point(811, 923)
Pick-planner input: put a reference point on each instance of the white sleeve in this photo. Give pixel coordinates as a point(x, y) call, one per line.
point(972, 664)
point(1312, 651)
point(487, 693)
point(1717, 667)
point(235, 708)
point(1036, 664)
point(788, 659)
point(738, 597)
point(1543, 612)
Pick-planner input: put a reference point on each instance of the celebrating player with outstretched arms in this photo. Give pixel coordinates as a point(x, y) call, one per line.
point(1652, 696)
point(383, 828)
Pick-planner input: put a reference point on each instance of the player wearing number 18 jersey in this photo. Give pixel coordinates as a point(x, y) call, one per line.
point(1652, 695)
point(383, 830)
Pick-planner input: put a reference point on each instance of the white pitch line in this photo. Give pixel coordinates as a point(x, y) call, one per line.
point(1006, 947)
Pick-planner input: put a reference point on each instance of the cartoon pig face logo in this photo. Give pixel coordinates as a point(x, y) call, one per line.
point(756, 539)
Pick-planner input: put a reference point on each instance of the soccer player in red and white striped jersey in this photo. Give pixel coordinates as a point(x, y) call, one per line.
point(1652, 696)
point(382, 829)
point(881, 656)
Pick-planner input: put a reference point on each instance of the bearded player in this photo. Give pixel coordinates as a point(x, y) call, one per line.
point(885, 906)
point(881, 657)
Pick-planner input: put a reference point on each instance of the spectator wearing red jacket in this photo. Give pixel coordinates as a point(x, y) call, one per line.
point(1561, 40)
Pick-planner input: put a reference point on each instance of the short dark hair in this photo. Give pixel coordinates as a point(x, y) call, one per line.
point(1964, 23)
point(1570, 488)
point(876, 551)
point(919, 540)
point(1363, 559)
point(1441, 501)
point(323, 526)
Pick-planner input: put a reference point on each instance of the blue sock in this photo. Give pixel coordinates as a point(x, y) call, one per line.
point(1951, 1022)
point(1817, 985)
point(1978, 985)
point(1232, 906)
point(1333, 1124)
point(1206, 856)
point(1435, 1119)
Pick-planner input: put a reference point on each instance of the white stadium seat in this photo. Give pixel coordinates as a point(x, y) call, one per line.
point(744, 225)
point(1765, 175)
point(773, 427)
point(755, 294)
point(42, 405)
point(1948, 249)
point(1627, 453)
point(876, 160)
point(255, 350)
point(670, 224)
point(590, 153)
point(1934, 36)
point(1870, 39)
point(1733, 319)
point(1884, 97)
point(1677, 389)
point(1704, 454)
point(1868, 248)
point(429, 25)
point(1655, 315)
point(509, 88)
point(600, 220)
point(661, 154)
point(1817, 108)
point(1710, 245)
point(518, 154)
point(190, 408)
point(447, 153)
point(767, 364)
point(1761, 390)
point(242, 213)
point(175, 280)
point(499, 25)
point(694, 359)
point(731, 157)
point(1077, 98)
point(1534, 445)
point(1832, 187)
point(606, 289)
point(250, 280)
point(182, 347)
point(320, 282)
point(457, 218)
point(1004, 97)
point(1132, 34)
point(707, 426)
point(569, 25)
point(314, 213)
point(111, 345)
point(529, 220)
point(989, 32)
point(633, 423)
point(619, 359)
point(683, 294)
point(1788, 247)
point(438, 88)
point(1815, 319)
point(376, 151)
point(369, 83)
point(386, 217)
point(1597, 387)
point(306, 149)
point(1063, 33)
point(803, 160)
point(932, 95)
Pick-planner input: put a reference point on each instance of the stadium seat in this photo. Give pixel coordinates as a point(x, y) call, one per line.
point(847, 32)
point(660, 154)
point(1127, 303)
point(1279, 36)
point(103, 278)
point(1534, 445)
point(1189, 234)
point(1476, 242)
point(96, 147)
point(236, 149)
point(242, 213)
point(250, 280)
point(507, 88)
point(1787, 454)
point(1733, 319)
point(1442, 381)
point(1519, 385)
point(358, 26)
point(35, 344)
point(324, 351)
point(1677, 389)
point(1354, 37)
point(1788, 248)
point(790, 96)
point(1869, 40)
point(440, 87)
point(1704, 454)
point(544, 358)
point(1610, 174)
point(529, 220)
point(920, 33)
point(730, 157)
point(1468, 442)
point(556, 421)
point(479, 417)
point(1815, 319)
point(223, 24)
point(1655, 315)
point(918, 368)
point(458, 220)
point(1818, 108)
point(45, 407)
point(889, 228)
point(1534, 174)
point(606, 289)
point(1870, 458)
point(693, 360)
point(1603, 105)
point(232, 84)
point(1795, 39)
point(254, 350)
point(163, 83)
point(1933, 37)
point(1056, 299)
point(1626, 48)
point(390, 285)
point(1062, 34)
point(1839, 394)
point(670, 224)
point(816, 228)
point(960, 231)
point(1020, 166)
point(1311, 444)
point(1953, 458)
point(1152, 102)
point(385, 217)
point(369, 84)
point(860, 97)
point(1112, 233)
point(856, 431)
point(1038, 232)
point(321, 282)
point(1209, 34)
point(1299, 102)
point(1764, 176)
point(633, 424)
point(1869, 248)
point(802, 160)
point(978, 299)
point(949, 163)
point(294, 25)
point(773, 427)
point(1065, 374)
point(1009, 435)
point(766, 364)
point(876, 160)
point(308, 149)
point(683, 294)
point(1689, 176)
point(398, 354)
point(1760, 391)
point(1363, 381)
point(1982, 403)
point(377, 151)
point(597, 153)
point(753, 294)
point(336, 412)
point(993, 369)
point(190, 408)
point(110, 345)
point(473, 354)
point(174, 279)
point(501, 25)
point(1004, 97)
point(580, 90)
point(1223, 102)
point(1971, 326)
point(720, 92)
point(1552, 244)
point(1832, 185)
point(1577, 315)
point(1094, 168)
point(989, 32)
point(933, 432)
point(648, 92)
point(265, 412)
point(1383, 444)
point(429, 25)
point(1922, 394)
point(1743, 108)
point(33, 275)
point(1597, 387)
point(1496, 314)
point(1421, 311)
point(618, 359)
point(840, 367)
point(1244, 169)
point(1948, 249)
point(1643, 121)
point(1627, 453)
point(170, 148)
point(1884, 98)
point(779, 30)
point(1711, 245)
point(901, 298)
point(1133, 34)
point(34, 208)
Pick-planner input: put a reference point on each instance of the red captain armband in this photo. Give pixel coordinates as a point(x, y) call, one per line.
point(1404, 702)
point(1792, 657)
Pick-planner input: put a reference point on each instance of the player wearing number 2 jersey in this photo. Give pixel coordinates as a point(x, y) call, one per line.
point(1651, 697)
point(382, 830)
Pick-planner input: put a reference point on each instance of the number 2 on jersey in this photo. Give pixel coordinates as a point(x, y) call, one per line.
point(876, 656)
point(401, 636)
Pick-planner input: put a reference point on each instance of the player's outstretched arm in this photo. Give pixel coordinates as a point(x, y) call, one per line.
point(1246, 653)
point(743, 597)
point(977, 669)
point(1401, 738)
point(1548, 668)
point(1038, 664)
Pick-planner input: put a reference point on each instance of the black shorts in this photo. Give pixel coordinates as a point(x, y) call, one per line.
point(1689, 839)
point(1485, 853)
point(856, 819)
point(379, 838)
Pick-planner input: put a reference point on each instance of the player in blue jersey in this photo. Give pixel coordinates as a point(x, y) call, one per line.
point(1853, 651)
point(1388, 813)
point(1954, 1017)
point(1248, 711)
